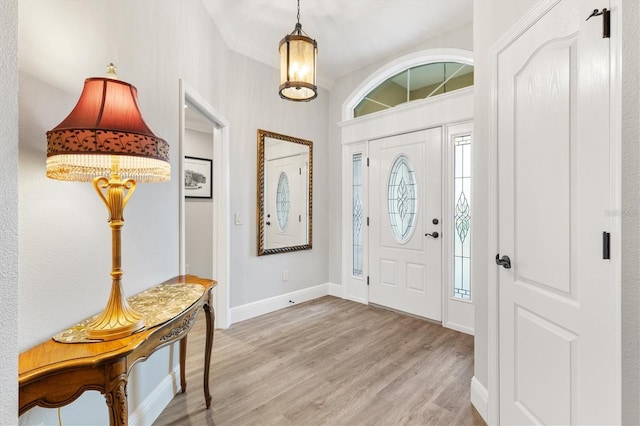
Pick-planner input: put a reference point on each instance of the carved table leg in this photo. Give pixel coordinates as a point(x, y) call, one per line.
point(183, 361)
point(210, 320)
point(116, 393)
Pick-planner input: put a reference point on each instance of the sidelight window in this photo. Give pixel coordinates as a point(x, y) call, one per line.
point(462, 216)
point(356, 196)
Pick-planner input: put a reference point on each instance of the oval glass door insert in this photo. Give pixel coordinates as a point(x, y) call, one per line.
point(282, 201)
point(402, 199)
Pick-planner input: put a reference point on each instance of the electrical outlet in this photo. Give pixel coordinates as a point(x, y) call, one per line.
point(285, 275)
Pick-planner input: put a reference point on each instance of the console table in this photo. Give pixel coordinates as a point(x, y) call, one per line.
point(55, 373)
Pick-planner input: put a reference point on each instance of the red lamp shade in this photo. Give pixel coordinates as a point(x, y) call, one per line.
point(106, 126)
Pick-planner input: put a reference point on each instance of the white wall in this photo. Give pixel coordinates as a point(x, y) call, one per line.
point(199, 212)
point(256, 105)
point(64, 236)
point(9, 211)
point(64, 253)
point(630, 212)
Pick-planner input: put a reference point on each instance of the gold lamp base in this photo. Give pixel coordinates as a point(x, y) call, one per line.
point(118, 318)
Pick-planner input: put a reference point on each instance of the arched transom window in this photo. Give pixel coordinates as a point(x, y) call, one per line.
point(418, 82)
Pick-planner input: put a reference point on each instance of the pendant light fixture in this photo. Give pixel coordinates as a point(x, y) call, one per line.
point(298, 54)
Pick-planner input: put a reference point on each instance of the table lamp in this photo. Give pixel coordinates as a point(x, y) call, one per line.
point(105, 135)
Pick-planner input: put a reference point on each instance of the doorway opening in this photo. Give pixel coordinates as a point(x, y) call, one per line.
point(204, 220)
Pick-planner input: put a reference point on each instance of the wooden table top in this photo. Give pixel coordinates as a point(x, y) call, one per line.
point(51, 356)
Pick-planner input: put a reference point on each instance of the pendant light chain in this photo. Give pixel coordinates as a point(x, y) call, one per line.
point(298, 12)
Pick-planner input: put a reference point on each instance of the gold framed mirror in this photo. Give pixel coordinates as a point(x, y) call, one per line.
point(285, 183)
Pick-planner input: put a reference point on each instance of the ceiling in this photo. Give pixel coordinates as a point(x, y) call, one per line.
point(351, 34)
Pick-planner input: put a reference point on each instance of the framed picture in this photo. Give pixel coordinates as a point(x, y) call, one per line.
point(197, 177)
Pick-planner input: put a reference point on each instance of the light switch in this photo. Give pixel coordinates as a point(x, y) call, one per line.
point(238, 219)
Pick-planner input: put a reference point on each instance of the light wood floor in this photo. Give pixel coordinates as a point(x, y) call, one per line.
point(329, 362)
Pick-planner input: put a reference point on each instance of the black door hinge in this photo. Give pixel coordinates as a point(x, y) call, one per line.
point(367, 220)
point(367, 161)
point(606, 21)
point(367, 279)
point(606, 245)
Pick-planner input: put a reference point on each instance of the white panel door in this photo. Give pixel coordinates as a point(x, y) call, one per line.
point(557, 301)
point(405, 199)
point(285, 201)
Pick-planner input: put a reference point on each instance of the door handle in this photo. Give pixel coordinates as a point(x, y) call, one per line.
point(268, 223)
point(433, 234)
point(505, 262)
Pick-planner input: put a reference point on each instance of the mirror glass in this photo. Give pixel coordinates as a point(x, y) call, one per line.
point(285, 166)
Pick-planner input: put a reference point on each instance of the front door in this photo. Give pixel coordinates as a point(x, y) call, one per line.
point(557, 328)
point(405, 223)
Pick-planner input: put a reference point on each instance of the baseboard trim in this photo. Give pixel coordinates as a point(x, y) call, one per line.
point(335, 290)
point(261, 307)
point(458, 327)
point(153, 405)
point(480, 398)
point(357, 299)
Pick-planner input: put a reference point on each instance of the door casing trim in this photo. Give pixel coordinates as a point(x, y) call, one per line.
point(356, 136)
point(222, 191)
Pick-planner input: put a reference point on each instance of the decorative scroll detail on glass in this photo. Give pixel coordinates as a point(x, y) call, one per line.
point(282, 201)
point(462, 216)
point(356, 195)
point(402, 199)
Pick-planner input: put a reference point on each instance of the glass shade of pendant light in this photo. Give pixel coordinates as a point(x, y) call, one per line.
point(105, 140)
point(298, 53)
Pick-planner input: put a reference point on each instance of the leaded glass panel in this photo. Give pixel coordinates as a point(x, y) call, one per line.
point(462, 216)
point(282, 201)
point(356, 195)
point(402, 199)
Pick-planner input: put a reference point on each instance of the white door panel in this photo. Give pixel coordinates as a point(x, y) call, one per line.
point(285, 221)
point(557, 330)
point(405, 264)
